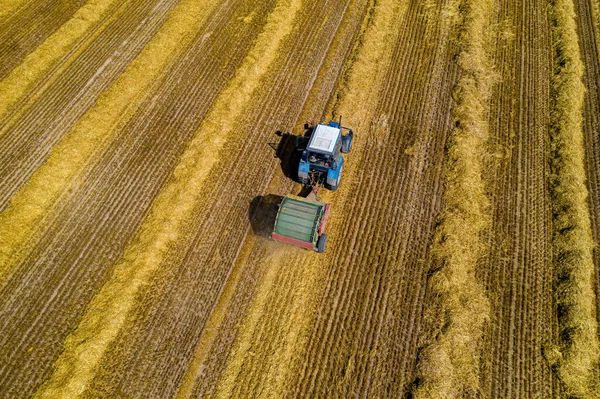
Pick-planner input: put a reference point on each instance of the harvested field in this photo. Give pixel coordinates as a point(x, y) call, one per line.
point(140, 181)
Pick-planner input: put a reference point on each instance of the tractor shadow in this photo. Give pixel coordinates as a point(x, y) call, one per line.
point(262, 214)
point(289, 150)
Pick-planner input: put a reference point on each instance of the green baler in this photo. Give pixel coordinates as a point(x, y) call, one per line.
point(301, 222)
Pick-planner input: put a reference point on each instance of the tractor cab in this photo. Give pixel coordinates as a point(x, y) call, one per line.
point(321, 162)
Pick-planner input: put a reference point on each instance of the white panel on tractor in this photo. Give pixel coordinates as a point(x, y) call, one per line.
point(324, 138)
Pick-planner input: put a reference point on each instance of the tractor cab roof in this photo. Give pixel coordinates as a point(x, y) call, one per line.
point(324, 138)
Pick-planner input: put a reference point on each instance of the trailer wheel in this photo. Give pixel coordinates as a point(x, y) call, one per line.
point(321, 243)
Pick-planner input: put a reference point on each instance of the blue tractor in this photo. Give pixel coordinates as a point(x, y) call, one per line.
point(322, 162)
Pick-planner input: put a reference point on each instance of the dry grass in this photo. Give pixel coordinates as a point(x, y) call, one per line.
point(163, 229)
point(572, 240)
point(94, 132)
point(356, 87)
point(36, 65)
point(449, 367)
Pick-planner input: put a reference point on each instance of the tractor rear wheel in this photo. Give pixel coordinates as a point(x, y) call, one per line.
point(339, 179)
point(321, 243)
point(346, 143)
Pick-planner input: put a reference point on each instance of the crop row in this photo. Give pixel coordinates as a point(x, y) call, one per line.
point(174, 203)
point(449, 367)
point(572, 240)
point(93, 133)
point(14, 87)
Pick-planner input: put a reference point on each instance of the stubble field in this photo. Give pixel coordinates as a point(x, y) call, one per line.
point(139, 177)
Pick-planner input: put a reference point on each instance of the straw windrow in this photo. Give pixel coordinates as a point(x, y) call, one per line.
point(164, 227)
point(449, 367)
point(16, 85)
point(94, 131)
point(572, 240)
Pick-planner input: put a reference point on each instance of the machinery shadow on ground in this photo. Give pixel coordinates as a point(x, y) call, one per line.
point(289, 153)
point(262, 214)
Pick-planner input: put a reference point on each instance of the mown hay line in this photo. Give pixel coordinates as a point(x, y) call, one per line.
point(14, 87)
point(97, 128)
point(572, 239)
point(449, 367)
point(164, 228)
point(245, 337)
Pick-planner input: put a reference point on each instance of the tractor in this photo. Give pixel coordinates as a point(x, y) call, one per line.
point(322, 162)
point(301, 221)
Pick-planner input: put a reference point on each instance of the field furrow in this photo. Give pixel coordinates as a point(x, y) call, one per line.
point(145, 146)
point(589, 36)
point(517, 268)
point(29, 28)
point(53, 110)
point(94, 132)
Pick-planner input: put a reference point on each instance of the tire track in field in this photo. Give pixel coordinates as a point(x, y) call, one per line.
point(162, 229)
point(15, 86)
point(589, 34)
point(94, 132)
point(100, 217)
point(180, 307)
point(72, 90)
point(29, 28)
point(517, 269)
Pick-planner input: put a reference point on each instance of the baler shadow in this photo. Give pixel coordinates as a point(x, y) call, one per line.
point(262, 214)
